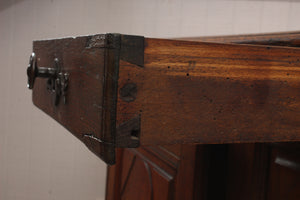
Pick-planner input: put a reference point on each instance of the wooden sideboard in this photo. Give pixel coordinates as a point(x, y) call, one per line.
point(256, 171)
point(190, 118)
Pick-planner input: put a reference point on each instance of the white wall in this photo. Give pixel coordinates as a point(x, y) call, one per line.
point(38, 158)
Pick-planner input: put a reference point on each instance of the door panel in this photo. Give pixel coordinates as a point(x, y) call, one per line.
point(154, 173)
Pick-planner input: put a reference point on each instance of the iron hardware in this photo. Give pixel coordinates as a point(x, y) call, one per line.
point(57, 80)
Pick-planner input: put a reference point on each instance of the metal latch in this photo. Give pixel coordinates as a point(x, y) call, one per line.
point(57, 80)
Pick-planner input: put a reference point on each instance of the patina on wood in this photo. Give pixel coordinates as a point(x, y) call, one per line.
point(127, 90)
point(92, 63)
point(236, 171)
point(196, 92)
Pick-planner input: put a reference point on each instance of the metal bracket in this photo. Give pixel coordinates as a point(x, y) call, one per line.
point(57, 80)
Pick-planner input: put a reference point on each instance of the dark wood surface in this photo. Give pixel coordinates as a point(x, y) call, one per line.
point(173, 91)
point(179, 92)
point(284, 172)
point(92, 63)
point(86, 61)
point(208, 172)
point(228, 171)
point(291, 39)
point(193, 92)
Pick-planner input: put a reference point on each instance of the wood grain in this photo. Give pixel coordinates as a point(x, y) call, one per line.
point(86, 112)
point(231, 171)
point(291, 39)
point(165, 172)
point(184, 91)
point(194, 92)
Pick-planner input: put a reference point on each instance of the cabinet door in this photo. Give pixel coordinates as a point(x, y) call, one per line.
point(154, 173)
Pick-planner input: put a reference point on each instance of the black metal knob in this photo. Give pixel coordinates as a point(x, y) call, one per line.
point(33, 71)
point(57, 80)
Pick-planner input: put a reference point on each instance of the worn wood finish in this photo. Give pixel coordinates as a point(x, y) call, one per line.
point(193, 92)
point(232, 171)
point(252, 172)
point(92, 63)
point(171, 91)
point(86, 60)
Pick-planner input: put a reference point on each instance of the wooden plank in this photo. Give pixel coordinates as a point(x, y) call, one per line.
point(88, 60)
point(291, 39)
point(193, 92)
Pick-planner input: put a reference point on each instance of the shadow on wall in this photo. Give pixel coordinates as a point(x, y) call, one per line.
point(6, 4)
